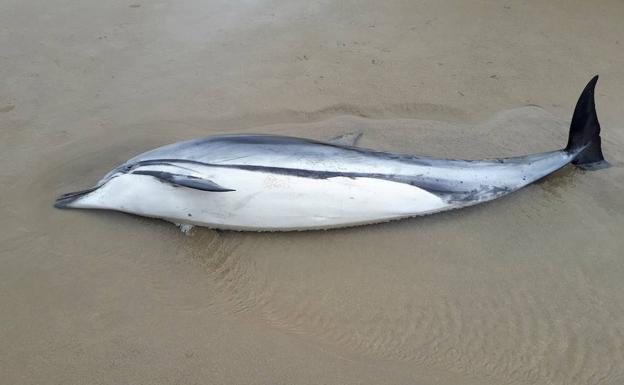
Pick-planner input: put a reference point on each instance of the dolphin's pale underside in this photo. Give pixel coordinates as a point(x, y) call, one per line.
point(279, 183)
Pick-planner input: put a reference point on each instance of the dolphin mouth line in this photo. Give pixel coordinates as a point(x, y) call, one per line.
point(64, 200)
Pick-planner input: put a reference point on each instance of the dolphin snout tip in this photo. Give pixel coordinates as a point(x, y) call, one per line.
point(61, 203)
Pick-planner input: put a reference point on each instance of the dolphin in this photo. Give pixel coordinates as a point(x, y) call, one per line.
point(280, 183)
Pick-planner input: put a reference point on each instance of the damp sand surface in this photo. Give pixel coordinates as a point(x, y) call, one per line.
point(527, 289)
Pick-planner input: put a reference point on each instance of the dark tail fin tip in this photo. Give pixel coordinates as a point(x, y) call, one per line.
point(584, 138)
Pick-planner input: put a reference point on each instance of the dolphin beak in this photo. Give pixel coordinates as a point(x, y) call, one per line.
point(65, 201)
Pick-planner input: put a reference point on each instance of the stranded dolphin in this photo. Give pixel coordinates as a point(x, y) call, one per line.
point(280, 183)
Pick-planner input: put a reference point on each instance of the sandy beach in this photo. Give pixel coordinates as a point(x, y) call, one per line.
point(528, 289)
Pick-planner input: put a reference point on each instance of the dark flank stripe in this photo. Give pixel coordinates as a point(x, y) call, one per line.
point(444, 189)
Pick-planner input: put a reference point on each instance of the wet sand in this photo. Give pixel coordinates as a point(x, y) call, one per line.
point(524, 290)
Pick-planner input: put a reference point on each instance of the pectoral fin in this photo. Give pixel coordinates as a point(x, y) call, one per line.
point(349, 139)
point(184, 181)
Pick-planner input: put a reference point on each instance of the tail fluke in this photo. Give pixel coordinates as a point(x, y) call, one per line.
point(584, 136)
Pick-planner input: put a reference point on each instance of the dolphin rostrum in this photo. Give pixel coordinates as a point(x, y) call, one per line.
point(280, 183)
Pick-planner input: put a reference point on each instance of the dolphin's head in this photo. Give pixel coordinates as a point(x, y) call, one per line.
point(161, 189)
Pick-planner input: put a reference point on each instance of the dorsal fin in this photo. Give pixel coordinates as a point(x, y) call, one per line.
point(185, 181)
point(348, 139)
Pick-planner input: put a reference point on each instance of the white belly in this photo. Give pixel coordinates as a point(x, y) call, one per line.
point(264, 201)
